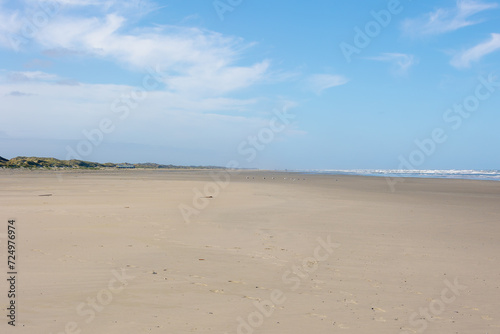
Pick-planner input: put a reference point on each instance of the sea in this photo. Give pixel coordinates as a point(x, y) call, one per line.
point(441, 174)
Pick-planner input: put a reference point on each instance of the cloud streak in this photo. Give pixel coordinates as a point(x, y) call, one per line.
point(18, 94)
point(196, 61)
point(474, 54)
point(161, 119)
point(401, 62)
point(193, 58)
point(31, 76)
point(445, 20)
point(318, 83)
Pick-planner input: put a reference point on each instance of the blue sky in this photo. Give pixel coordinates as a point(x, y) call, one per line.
point(278, 85)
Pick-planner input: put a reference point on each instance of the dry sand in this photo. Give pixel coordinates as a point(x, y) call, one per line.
point(110, 252)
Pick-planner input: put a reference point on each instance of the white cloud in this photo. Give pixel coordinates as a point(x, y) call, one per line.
point(201, 80)
point(319, 82)
point(18, 93)
point(99, 3)
point(474, 54)
point(195, 60)
point(36, 76)
point(402, 62)
point(138, 7)
point(45, 110)
point(198, 70)
point(37, 63)
point(10, 24)
point(32, 76)
point(444, 20)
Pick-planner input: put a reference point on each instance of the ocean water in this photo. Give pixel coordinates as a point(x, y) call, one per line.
point(442, 174)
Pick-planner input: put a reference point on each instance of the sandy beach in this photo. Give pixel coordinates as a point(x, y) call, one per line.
point(158, 251)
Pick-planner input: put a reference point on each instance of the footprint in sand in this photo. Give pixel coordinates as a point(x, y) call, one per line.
point(471, 308)
point(217, 291)
point(252, 298)
point(378, 309)
point(196, 276)
point(373, 284)
point(202, 284)
point(39, 251)
point(342, 326)
point(321, 316)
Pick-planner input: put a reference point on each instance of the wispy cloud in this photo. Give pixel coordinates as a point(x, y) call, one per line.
point(10, 25)
point(401, 62)
point(61, 52)
point(37, 63)
point(31, 76)
point(196, 61)
point(39, 77)
point(68, 82)
point(445, 20)
point(18, 93)
point(161, 118)
point(320, 82)
point(131, 7)
point(199, 70)
point(474, 54)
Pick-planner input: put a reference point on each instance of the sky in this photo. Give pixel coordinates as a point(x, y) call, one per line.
point(261, 84)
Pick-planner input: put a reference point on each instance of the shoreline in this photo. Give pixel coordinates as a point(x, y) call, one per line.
point(398, 178)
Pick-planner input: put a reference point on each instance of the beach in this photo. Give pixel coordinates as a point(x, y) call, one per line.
point(181, 251)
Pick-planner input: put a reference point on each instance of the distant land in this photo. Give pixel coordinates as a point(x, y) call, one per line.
point(37, 162)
